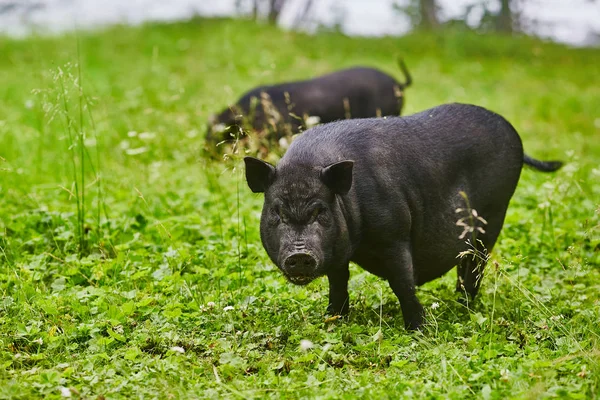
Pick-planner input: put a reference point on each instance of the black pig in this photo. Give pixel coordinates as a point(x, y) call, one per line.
point(357, 92)
point(384, 193)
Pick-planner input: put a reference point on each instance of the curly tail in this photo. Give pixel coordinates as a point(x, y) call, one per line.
point(544, 166)
point(407, 76)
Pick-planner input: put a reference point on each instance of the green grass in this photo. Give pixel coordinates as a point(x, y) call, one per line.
point(120, 245)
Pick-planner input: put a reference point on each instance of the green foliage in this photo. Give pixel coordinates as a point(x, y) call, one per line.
point(172, 296)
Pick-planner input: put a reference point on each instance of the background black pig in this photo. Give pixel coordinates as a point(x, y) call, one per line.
point(384, 193)
point(357, 92)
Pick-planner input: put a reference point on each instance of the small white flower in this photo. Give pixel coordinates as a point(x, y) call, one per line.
point(504, 374)
point(178, 349)
point(132, 133)
point(119, 329)
point(39, 341)
point(65, 392)
point(283, 143)
point(29, 104)
point(228, 308)
point(136, 151)
point(544, 204)
point(306, 344)
point(219, 127)
point(378, 337)
point(146, 135)
point(210, 304)
point(435, 305)
point(312, 120)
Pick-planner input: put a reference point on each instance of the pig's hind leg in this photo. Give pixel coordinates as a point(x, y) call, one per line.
point(473, 261)
point(470, 270)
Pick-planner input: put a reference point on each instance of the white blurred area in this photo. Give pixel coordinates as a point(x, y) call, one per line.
point(576, 22)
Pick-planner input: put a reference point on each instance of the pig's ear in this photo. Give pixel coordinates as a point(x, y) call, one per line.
point(259, 174)
point(338, 176)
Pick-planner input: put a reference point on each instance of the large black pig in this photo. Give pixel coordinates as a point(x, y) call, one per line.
point(355, 92)
point(384, 193)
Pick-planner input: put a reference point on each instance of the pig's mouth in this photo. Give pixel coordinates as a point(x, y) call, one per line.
point(300, 280)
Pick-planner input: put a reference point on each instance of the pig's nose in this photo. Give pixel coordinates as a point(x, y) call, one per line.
point(300, 263)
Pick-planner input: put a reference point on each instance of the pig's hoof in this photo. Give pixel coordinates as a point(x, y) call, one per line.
point(331, 310)
point(414, 325)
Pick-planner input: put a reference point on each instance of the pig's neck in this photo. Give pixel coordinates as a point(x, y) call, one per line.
point(348, 221)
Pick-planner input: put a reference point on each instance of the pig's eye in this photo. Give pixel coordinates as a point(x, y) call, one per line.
point(315, 213)
point(280, 215)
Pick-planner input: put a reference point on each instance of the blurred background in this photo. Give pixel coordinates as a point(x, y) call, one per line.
point(575, 22)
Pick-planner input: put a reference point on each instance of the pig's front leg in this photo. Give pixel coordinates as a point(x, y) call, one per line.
point(338, 290)
point(400, 275)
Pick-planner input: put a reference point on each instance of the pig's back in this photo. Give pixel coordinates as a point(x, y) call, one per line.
point(448, 134)
point(366, 89)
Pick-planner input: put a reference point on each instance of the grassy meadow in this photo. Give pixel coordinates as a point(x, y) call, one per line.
point(131, 266)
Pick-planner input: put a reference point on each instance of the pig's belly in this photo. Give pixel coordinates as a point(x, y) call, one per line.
point(428, 266)
point(435, 249)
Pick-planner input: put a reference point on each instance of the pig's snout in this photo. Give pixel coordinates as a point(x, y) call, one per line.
point(300, 268)
point(300, 263)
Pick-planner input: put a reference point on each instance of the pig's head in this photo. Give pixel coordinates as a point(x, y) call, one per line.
point(302, 226)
